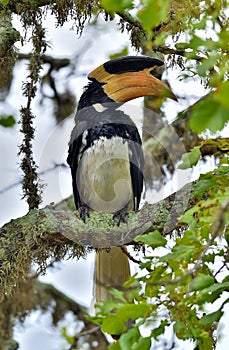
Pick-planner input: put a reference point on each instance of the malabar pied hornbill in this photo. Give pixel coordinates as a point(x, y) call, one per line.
point(105, 153)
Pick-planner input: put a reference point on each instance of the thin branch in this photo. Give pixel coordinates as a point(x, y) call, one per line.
point(19, 182)
point(170, 51)
point(89, 331)
point(31, 186)
point(130, 20)
point(56, 63)
point(130, 257)
point(134, 23)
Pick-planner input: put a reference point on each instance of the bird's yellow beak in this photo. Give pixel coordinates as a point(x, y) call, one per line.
point(126, 86)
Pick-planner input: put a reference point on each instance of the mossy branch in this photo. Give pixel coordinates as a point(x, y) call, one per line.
point(55, 232)
point(30, 186)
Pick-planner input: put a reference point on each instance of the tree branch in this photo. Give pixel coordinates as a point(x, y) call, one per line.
point(43, 172)
point(56, 63)
point(14, 5)
point(55, 232)
point(62, 223)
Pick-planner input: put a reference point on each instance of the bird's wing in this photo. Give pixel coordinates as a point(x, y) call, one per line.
point(75, 148)
point(136, 166)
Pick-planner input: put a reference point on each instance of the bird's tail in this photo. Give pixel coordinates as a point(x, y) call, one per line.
point(112, 270)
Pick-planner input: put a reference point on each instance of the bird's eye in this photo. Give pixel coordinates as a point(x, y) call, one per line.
point(97, 95)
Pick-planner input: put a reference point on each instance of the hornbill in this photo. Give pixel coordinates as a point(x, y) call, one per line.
point(105, 153)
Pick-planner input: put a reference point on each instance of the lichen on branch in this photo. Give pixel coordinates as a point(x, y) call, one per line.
point(30, 186)
point(58, 232)
point(8, 36)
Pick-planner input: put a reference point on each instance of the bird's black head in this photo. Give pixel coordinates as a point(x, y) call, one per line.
point(123, 79)
point(93, 93)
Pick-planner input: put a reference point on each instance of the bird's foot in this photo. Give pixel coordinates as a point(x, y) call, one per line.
point(84, 212)
point(121, 215)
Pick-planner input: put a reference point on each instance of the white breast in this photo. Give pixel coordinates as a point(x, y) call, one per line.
point(103, 176)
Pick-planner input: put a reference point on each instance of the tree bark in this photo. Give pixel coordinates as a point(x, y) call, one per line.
point(57, 231)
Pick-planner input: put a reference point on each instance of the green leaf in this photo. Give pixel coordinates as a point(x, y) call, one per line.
point(154, 12)
point(118, 294)
point(207, 65)
point(191, 158)
point(94, 319)
point(123, 52)
point(203, 185)
point(196, 42)
point(180, 329)
point(188, 218)
point(7, 121)
point(143, 343)
point(179, 253)
point(224, 38)
point(115, 346)
point(154, 239)
point(223, 169)
point(189, 238)
point(66, 336)
point(205, 343)
point(222, 94)
point(208, 320)
point(4, 2)
point(115, 6)
point(201, 281)
point(133, 311)
point(210, 294)
point(112, 324)
point(108, 306)
point(128, 339)
point(209, 114)
point(156, 274)
point(159, 330)
point(115, 323)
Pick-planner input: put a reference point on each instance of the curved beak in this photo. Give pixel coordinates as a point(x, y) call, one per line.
point(127, 85)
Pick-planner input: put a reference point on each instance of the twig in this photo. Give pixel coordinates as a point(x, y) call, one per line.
point(130, 19)
point(130, 257)
point(89, 331)
point(56, 63)
point(82, 334)
point(19, 182)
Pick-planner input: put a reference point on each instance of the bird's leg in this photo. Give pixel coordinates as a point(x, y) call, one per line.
point(121, 215)
point(84, 212)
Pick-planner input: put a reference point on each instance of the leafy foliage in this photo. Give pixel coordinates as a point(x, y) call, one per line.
point(213, 111)
point(7, 121)
point(183, 281)
point(4, 2)
point(117, 6)
point(191, 158)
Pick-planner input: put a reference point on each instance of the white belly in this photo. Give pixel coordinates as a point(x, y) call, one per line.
point(103, 176)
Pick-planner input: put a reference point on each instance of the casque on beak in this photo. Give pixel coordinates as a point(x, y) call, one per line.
point(127, 85)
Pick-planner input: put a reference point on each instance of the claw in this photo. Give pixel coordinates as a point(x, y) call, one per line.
point(120, 215)
point(84, 212)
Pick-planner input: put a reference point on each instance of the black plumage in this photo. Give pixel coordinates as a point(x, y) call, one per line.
point(105, 153)
point(109, 123)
